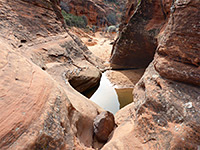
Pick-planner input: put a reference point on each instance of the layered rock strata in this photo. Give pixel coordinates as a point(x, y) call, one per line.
point(165, 113)
point(95, 11)
point(137, 42)
point(39, 108)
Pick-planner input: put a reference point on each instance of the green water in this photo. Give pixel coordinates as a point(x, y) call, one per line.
point(108, 97)
point(125, 96)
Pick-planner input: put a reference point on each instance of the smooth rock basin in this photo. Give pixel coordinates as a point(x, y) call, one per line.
point(110, 98)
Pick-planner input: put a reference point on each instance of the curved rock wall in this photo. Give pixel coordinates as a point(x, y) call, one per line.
point(165, 113)
point(39, 108)
point(137, 42)
point(178, 54)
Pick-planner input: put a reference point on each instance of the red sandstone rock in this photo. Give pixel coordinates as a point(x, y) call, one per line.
point(38, 113)
point(178, 52)
point(95, 11)
point(137, 42)
point(130, 7)
point(165, 113)
point(40, 36)
point(39, 109)
point(103, 125)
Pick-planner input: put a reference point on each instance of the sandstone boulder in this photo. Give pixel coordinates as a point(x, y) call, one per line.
point(103, 124)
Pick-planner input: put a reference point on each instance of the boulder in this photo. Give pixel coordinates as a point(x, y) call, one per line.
point(103, 124)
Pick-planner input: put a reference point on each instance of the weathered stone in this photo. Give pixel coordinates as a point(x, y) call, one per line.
point(40, 36)
point(164, 115)
point(95, 11)
point(129, 10)
point(166, 109)
point(178, 52)
point(137, 42)
point(103, 124)
point(40, 110)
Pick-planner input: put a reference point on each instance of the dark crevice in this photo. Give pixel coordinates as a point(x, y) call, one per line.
point(158, 84)
point(163, 11)
point(23, 41)
point(142, 85)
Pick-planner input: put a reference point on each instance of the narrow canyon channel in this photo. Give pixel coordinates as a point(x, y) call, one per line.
point(109, 97)
point(115, 88)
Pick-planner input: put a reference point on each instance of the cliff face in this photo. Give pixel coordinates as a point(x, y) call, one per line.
point(39, 108)
point(166, 109)
point(96, 11)
point(128, 11)
point(178, 53)
point(39, 57)
point(142, 30)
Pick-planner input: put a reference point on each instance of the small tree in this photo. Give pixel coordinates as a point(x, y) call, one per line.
point(72, 20)
point(85, 21)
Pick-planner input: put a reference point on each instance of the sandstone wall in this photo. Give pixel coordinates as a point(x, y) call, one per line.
point(95, 11)
point(165, 113)
point(137, 41)
point(39, 108)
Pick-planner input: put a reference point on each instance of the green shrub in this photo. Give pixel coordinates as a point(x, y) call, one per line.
point(76, 21)
point(85, 20)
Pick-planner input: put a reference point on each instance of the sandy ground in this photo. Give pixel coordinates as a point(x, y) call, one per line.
point(124, 78)
point(100, 45)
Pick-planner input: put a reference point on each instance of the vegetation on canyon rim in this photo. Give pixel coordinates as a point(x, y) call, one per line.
point(82, 21)
point(76, 21)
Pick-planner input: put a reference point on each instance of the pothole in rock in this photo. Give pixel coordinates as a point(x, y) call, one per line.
point(108, 97)
point(111, 96)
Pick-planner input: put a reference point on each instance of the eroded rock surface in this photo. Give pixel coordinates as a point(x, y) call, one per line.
point(39, 108)
point(95, 11)
point(103, 124)
point(37, 33)
point(137, 42)
point(178, 52)
point(165, 113)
